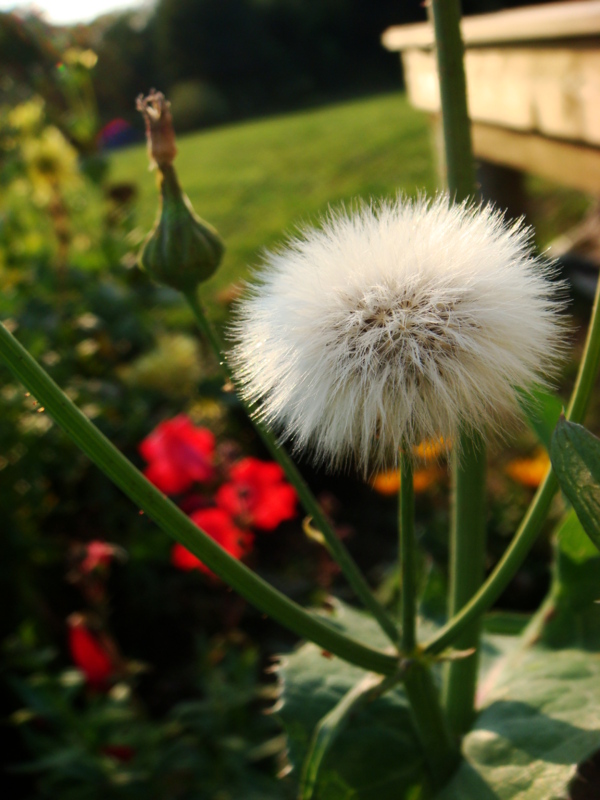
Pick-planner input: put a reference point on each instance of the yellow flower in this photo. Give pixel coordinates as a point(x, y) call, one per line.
point(27, 117)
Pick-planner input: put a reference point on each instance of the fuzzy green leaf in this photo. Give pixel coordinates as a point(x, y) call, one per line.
point(540, 722)
point(575, 455)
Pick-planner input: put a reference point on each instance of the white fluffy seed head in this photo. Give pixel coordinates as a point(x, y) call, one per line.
point(396, 323)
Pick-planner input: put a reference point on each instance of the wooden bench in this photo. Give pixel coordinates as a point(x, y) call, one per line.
point(533, 83)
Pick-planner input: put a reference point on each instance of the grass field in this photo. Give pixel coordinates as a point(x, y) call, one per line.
point(257, 180)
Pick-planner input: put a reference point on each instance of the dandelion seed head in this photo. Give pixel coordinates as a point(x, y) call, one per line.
point(394, 323)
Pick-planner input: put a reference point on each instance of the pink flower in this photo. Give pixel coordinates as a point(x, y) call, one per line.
point(98, 554)
point(178, 455)
point(257, 494)
point(220, 527)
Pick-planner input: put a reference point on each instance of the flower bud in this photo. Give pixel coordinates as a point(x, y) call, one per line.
point(181, 250)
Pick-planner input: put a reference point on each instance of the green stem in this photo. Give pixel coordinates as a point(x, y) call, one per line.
point(423, 697)
point(460, 169)
point(430, 723)
point(467, 538)
point(467, 560)
point(335, 546)
point(176, 524)
point(408, 561)
point(536, 514)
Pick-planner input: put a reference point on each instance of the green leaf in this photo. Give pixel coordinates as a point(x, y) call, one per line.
point(575, 616)
point(540, 704)
point(542, 411)
point(539, 723)
point(328, 730)
point(575, 455)
point(376, 756)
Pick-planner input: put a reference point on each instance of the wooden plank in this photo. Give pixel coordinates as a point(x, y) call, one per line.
point(537, 23)
point(568, 164)
point(554, 91)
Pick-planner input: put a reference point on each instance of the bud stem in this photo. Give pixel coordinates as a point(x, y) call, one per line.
point(335, 546)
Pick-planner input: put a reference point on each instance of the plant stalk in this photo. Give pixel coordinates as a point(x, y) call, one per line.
point(335, 546)
point(467, 535)
point(426, 710)
point(408, 560)
point(430, 723)
point(467, 559)
point(460, 169)
point(536, 514)
point(176, 524)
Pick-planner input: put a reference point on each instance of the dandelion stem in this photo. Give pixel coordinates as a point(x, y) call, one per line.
point(175, 523)
point(536, 514)
point(336, 548)
point(426, 710)
point(408, 559)
point(467, 558)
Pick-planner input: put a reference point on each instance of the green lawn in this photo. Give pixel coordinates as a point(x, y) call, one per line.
point(255, 181)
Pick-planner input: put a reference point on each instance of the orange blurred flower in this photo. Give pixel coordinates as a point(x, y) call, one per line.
point(388, 482)
point(529, 471)
point(431, 449)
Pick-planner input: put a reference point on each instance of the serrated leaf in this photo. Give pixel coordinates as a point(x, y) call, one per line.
point(575, 455)
point(377, 756)
point(542, 411)
point(539, 723)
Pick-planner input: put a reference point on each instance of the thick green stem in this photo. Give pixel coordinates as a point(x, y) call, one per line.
point(335, 546)
point(175, 523)
point(536, 514)
point(467, 538)
point(467, 559)
point(408, 561)
point(460, 169)
point(430, 723)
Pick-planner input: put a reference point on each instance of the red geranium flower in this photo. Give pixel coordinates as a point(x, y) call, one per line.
point(178, 454)
point(257, 494)
point(220, 527)
point(89, 654)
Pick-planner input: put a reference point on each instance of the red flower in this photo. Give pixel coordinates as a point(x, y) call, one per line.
point(178, 454)
point(89, 654)
point(257, 494)
point(220, 527)
point(98, 554)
